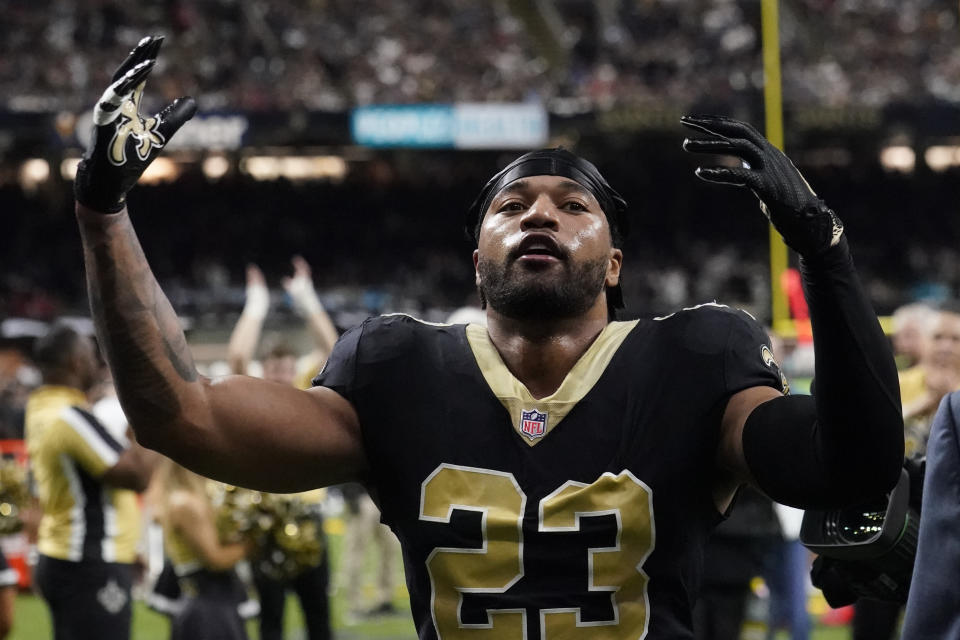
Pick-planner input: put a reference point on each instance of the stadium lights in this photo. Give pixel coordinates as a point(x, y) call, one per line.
point(898, 158)
point(942, 157)
point(160, 170)
point(294, 168)
point(33, 172)
point(261, 167)
point(68, 168)
point(215, 167)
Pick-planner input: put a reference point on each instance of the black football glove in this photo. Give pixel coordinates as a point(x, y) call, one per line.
point(806, 223)
point(124, 143)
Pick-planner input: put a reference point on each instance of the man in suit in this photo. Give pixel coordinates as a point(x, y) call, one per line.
point(933, 607)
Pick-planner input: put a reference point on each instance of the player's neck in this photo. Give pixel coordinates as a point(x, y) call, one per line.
point(540, 353)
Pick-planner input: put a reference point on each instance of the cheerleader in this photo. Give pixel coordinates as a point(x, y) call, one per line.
point(204, 564)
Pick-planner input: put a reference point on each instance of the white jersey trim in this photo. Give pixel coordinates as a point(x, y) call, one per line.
point(78, 522)
point(108, 548)
point(694, 308)
point(80, 424)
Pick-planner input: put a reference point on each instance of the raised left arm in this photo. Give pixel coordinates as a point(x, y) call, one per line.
point(844, 444)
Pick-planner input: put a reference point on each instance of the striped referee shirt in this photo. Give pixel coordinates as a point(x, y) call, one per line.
point(83, 519)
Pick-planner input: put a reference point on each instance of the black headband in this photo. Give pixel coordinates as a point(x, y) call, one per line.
point(551, 162)
point(556, 162)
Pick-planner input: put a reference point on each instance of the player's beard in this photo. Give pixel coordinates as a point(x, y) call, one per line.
point(527, 294)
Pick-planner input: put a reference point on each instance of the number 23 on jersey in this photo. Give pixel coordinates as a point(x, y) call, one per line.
point(498, 563)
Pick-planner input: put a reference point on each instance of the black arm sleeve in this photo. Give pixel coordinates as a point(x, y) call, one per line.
point(846, 444)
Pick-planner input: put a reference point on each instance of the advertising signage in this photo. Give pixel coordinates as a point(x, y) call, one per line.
point(451, 126)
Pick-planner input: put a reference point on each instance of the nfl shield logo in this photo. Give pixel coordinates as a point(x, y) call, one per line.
point(533, 424)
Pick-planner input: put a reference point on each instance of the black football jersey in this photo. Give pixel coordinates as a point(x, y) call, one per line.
point(578, 515)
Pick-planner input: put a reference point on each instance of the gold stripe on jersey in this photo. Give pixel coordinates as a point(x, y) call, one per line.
point(515, 396)
point(83, 519)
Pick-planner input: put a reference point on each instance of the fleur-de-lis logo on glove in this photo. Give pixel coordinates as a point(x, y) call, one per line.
point(124, 142)
point(145, 132)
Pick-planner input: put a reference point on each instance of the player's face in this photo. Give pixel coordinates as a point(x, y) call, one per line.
point(545, 250)
point(944, 343)
point(282, 370)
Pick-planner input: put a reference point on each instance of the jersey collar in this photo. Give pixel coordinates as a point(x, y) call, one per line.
point(534, 418)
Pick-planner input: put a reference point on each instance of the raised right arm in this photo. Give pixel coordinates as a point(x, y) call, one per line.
point(241, 430)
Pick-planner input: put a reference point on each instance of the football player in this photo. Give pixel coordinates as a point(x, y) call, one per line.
point(555, 474)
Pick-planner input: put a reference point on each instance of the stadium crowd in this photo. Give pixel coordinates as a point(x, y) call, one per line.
point(834, 52)
point(335, 54)
point(678, 256)
point(326, 55)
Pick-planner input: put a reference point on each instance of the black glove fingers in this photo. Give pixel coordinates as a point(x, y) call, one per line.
point(736, 176)
point(147, 48)
point(703, 124)
point(108, 107)
point(134, 58)
point(723, 127)
point(154, 49)
point(134, 77)
point(805, 222)
point(175, 115)
point(739, 147)
point(748, 151)
point(708, 145)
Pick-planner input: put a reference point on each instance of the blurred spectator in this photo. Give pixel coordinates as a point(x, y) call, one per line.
point(735, 554)
point(911, 333)
point(787, 574)
point(14, 391)
point(367, 539)
point(787, 566)
point(924, 386)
